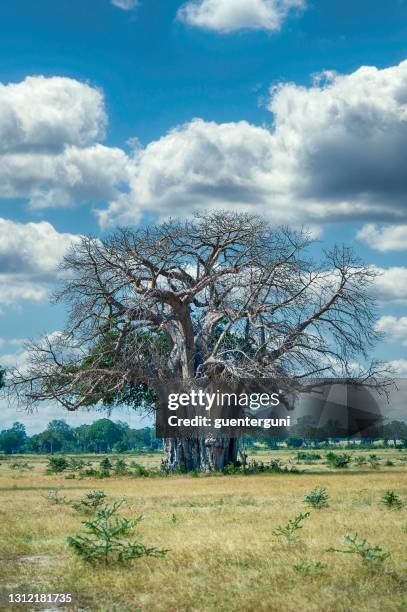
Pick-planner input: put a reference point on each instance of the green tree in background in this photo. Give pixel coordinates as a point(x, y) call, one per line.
point(13, 440)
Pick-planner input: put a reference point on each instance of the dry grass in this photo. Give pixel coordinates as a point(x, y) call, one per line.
point(223, 555)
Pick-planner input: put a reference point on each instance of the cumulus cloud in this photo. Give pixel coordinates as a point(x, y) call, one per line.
point(385, 238)
point(227, 16)
point(199, 164)
point(48, 113)
point(394, 328)
point(391, 284)
point(49, 149)
point(29, 258)
point(399, 366)
point(126, 5)
point(343, 143)
point(335, 152)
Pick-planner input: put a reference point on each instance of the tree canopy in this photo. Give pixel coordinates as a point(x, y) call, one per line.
point(224, 295)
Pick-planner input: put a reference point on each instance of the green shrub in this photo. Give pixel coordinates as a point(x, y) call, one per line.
point(372, 555)
point(289, 531)
point(105, 541)
point(308, 456)
point(360, 460)
point(231, 469)
point(139, 470)
point(120, 468)
point(56, 465)
point(338, 460)
point(88, 472)
point(373, 461)
point(54, 496)
point(76, 464)
point(317, 498)
point(105, 464)
point(391, 500)
point(90, 502)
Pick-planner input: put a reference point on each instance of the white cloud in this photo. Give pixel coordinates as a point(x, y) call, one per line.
point(29, 258)
point(48, 113)
point(199, 164)
point(395, 329)
point(126, 5)
point(341, 144)
point(230, 15)
point(386, 238)
point(399, 366)
point(391, 285)
point(335, 152)
point(73, 176)
point(49, 149)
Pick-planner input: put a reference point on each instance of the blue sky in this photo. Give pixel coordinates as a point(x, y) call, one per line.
point(112, 112)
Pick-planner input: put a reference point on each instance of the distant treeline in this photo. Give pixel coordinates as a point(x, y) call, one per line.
point(102, 436)
point(105, 436)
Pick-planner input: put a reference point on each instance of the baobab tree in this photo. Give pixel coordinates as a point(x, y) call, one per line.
point(224, 295)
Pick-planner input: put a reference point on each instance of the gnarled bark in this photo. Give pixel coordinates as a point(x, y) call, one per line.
point(205, 454)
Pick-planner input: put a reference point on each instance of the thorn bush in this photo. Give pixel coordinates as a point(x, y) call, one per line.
point(373, 555)
point(289, 531)
point(90, 502)
point(104, 538)
point(391, 500)
point(317, 498)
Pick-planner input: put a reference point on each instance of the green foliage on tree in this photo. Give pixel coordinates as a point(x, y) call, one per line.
point(13, 440)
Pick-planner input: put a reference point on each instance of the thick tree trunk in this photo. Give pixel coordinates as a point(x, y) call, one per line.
point(203, 454)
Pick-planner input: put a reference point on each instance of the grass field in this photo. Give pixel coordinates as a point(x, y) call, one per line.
point(223, 554)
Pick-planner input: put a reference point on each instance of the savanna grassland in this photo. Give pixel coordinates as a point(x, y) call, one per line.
point(223, 554)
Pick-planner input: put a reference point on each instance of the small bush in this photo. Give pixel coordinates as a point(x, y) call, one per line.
point(104, 539)
point(231, 469)
point(57, 465)
point(120, 468)
point(76, 464)
point(317, 498)
point(308, 456)
point(389, 463)
point(373, 461)
point(338, 460)
point(391, 500)
point(372, 555)
point(105, 467)
point(139, 470)
point(105, 464)
point(289, 531)
point(360, 460)
point(89, 472)
point(54, 496)
point(90, 502)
